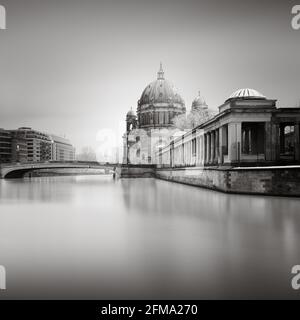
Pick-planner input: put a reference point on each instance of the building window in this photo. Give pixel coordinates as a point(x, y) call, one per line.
point(156, 117)
point(287, 141)
point(167, 119)
point(161, 118)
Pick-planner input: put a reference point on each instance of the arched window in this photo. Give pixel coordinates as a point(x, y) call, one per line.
point(167, 117)
point(156, 118)
point(161, 117)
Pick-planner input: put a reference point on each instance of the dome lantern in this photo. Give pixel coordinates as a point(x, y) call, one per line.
point(160, 73)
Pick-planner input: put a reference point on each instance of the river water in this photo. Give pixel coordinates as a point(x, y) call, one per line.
point(94, 237)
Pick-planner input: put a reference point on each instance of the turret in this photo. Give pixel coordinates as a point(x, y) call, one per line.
point(131, 121)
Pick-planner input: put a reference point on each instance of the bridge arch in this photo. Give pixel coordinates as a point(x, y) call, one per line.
point(17, 173)
point(14, 171)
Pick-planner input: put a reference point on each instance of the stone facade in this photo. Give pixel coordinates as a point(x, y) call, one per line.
point(250, 147)
point(247, 131)
point(136, 171)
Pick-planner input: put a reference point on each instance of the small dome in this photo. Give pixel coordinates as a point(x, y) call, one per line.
point(199, 102)
point(246, 94)
point(131, 113)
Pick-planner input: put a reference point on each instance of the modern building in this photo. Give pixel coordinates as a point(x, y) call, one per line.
point(152, 127)
point(5, 146)
point(39, 144)
point(19, 148)
point(28, 145)
point(13, 147)
point(62, 149)
point(248, 130)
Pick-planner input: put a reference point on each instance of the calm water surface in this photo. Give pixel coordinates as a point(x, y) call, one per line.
point(93, 237)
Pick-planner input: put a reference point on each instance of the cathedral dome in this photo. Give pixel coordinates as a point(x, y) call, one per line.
point(159, 104)
point(160, 91)
point(246, 94)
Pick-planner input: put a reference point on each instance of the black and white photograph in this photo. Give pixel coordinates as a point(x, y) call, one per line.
point(149, 151)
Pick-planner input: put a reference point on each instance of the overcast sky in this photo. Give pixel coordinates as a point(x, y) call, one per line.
point(75, 67)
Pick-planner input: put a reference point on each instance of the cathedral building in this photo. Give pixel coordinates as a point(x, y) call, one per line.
point(248, 129)
point(151, 128)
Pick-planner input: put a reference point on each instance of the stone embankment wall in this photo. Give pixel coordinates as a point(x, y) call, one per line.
point(268, 181)
point(135, 171)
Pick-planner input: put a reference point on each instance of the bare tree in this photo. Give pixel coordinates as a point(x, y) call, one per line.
point(193, 119)
point(197, 117)
point(180, 121)
point(87, 154)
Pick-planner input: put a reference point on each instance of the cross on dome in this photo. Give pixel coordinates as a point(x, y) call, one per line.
point(160, 73)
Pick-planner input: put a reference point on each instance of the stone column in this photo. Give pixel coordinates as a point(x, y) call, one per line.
point(277, 142)
point(125, 156)
point(155, 118)
point(272, 142)
point(198, 151)
point(212, 145)
point(281, 139)
point(234, 141)
point(220, 145)
point(217, 146)
point(203, 149)
point(208, 148)
point(149, 137)
point(268, 139)
point(297, 141)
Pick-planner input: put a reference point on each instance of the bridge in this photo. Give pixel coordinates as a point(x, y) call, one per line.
point(18, 170)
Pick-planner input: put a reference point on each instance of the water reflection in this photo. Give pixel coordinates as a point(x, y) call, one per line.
point(93, 237)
